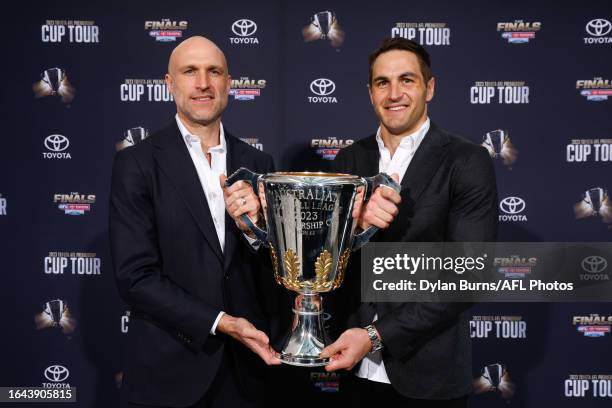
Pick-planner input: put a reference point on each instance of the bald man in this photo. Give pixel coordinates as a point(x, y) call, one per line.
point(201, 305)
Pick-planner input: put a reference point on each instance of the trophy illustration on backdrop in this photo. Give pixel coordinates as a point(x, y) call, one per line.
point(54, 81)
point(310, 233)
point(498, 144)
point(324, 25)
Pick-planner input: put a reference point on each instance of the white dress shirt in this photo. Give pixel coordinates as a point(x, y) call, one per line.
point(208, 173)
point(372, 366)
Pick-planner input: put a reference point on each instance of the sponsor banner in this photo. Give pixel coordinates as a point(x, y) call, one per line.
point(70, 31)
point(599, 31)
point(512, 209)
point(245, 30)
point(498, 327)
point(144, 90)
point(72, 263)
point(56, 376)
point(499, 92)
point(74, 203)
point(328, 148)
point(588, 386)
point(589, 150)
point(423, 33)
point(322, 90)
point(165, 30)
point(246, 89)
point(57, 147)
point(593, 325)
point(519, 31)
point(595, 90)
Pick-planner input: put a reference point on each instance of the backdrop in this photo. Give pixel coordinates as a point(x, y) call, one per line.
point(529, 80)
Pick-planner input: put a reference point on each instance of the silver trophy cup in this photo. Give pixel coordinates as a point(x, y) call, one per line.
point(310, 233)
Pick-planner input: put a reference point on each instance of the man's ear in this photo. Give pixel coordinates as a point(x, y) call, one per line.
point(431, 87)
point(169, 83)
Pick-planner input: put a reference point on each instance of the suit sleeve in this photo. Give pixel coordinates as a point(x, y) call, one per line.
point(137, 260)
point(472, 218)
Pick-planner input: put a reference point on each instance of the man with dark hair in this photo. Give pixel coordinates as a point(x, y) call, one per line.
point(407, 354)
point(192, 278)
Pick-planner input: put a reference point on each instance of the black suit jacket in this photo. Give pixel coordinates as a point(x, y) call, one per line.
point(170, 269)
point(448, 194)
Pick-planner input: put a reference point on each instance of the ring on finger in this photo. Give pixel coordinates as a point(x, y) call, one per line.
point(242, 201)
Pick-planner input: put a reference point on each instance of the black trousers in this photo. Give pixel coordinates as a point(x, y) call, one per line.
point(365, 393)
point(225, 390)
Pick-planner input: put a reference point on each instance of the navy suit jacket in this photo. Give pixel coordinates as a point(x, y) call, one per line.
point(448, 194)
point(170, 269)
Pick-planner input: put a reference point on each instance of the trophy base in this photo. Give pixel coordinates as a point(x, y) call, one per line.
point(308, 337)
point(304, 361)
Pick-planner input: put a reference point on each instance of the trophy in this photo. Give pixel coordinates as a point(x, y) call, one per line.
point(310, 233)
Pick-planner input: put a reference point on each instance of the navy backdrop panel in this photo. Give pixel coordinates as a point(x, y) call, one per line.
point(531, 80)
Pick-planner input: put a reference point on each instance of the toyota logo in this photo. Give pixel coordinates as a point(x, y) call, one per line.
point(244, 27)
point(322, 87)
point(56, 373)
point(56, 143)
point(512, 205)
point(594, 264)
point(598, 27)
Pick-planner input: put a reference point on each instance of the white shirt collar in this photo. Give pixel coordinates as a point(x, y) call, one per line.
point(410, 141)
point(189, 138)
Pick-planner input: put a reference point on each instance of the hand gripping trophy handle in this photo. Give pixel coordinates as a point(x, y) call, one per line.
point(244, 174)
point(372, 183)
point(309, 229)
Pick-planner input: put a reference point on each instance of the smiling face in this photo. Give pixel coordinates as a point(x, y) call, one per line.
point(399, 93)
point(198, 79)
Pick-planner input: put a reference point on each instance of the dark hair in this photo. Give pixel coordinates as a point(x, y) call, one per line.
point(390, 44)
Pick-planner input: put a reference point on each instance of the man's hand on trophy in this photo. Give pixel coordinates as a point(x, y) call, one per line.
point(381, 208)
point(350, 348)
point(242, 330)
point(240, 199)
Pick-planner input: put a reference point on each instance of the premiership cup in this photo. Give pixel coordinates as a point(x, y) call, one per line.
point(310, 233)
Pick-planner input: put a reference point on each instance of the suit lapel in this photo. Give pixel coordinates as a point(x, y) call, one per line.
point(232, 164)
point(425, 162)
point(422, 167)
point(175, 162)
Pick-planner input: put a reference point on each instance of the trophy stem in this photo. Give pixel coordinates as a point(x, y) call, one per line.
point(308, 337)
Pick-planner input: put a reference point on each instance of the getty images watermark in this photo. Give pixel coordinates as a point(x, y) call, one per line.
point(486, 272)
